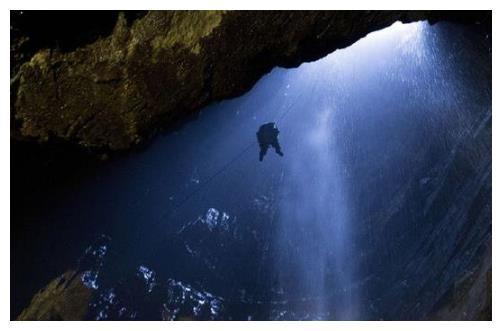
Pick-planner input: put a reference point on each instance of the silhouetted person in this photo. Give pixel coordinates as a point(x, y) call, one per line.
point(267, 136)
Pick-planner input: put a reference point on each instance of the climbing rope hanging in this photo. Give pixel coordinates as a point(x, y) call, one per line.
point(208, 180)
point(227, 165)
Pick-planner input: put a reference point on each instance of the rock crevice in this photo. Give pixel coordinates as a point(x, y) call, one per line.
point(162, 67)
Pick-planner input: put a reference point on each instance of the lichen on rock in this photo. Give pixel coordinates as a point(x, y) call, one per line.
point(162, 68)
point(188, 29)
point(64, 298)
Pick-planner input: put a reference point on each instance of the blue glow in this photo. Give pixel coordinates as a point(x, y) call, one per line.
point(386, 147)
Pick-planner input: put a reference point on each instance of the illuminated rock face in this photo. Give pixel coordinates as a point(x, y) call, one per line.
point(154, 71)
point(65, 298)
point(379, 209)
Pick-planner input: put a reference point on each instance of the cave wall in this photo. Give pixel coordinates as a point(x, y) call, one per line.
point(124, 76)
point(114, 82)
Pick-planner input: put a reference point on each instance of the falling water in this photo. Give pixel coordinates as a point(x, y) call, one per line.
point(315, 247)
point(387, 162)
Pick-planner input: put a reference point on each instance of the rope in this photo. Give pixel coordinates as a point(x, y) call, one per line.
point(285, 113)
point(221, 170)
point(208, 180)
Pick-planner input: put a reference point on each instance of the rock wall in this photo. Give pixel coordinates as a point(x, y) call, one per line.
point(132, 75)
point(64, 298)
point(470, 298)
point(150, 71)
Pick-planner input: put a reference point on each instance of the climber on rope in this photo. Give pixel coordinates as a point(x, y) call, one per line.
point(268, 136)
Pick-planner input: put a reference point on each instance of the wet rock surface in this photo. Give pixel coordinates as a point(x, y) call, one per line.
point(88, 293)
point(424, 242)
point(470, 298)
point(64, 298)
point(115, 80)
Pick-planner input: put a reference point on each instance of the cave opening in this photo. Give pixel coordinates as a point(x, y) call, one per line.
point(382, 195)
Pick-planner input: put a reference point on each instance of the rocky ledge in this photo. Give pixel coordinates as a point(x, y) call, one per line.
point(64, 298)
point(114, 89)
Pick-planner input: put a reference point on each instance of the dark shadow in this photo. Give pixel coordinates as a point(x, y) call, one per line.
point(268, 137)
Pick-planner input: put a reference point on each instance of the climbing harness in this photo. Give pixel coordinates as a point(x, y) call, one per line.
point(208, 180)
